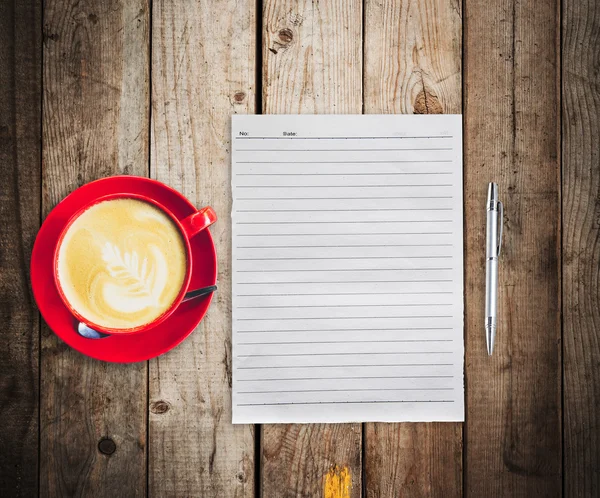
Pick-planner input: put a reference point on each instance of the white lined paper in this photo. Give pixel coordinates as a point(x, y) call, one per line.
point(347, 268)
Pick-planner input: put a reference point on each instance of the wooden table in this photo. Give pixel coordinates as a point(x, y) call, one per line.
point(91, 88)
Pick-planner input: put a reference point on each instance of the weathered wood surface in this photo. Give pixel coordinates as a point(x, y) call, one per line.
point(513, 429)
point(203, 71)
point(20, 133)
point(95, 124)
point(413, 65)
point(413, 57)
point(312, 57)
point(311, 64)
point(581, 248)
point(413, 459)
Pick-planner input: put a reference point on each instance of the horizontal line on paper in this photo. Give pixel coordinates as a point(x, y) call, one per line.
point(340, 198)
point(348, 390)
point(344, 402)
point(344, 162)
point(336, 210)
point(344, 330)
point(336, 246)
point(341, 282)
point(345, 186)
point(338, 234)
point(343, 306)
point(395, 173)
point(341, 150)
point(339, 138)
point(340, 354)
point(354, 377)
point(345, 342)
point(340, 317)
point(336, 258)
point(342, 269)
point(352, 366)
point(344, 294)
point(353, 222)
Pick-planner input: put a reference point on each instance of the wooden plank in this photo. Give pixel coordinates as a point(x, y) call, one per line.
point(581, 251)
point(203, 70)
point(312, 64)
point(95, 124)
point(20, 160)
point(413, 459)
point(513, 431)
point(413, 65)
point(413, 57)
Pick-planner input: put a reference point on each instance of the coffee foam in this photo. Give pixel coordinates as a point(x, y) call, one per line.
point(122, 263)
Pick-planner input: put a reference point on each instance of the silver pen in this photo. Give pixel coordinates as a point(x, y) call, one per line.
point(493, 241)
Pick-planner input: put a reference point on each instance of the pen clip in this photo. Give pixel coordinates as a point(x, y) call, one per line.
point(501, 216)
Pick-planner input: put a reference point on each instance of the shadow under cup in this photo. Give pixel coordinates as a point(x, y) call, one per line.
point(187, 228)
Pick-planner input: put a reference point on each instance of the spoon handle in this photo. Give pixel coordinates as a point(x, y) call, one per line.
point(90, 333)
point(199, 292)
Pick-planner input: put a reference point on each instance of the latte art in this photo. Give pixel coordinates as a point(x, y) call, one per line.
point(122, 263)
point(133, 287)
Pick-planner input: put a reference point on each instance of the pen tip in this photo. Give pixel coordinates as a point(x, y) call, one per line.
point(490, 348)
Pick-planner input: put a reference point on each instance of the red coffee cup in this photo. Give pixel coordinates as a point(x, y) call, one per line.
point(188, 228)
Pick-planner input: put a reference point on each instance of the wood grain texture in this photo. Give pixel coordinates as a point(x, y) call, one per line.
point(581, 247)
point(513, 430)
point(311, 64)
point(20, 166)
point(203, 71)
point(297, 458)
point(95, 124)
point(412, 459)
point(413, 57)
point(312, 61)
point(413, 65)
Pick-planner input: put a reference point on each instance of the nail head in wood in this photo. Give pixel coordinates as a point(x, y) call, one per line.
point(107, 446)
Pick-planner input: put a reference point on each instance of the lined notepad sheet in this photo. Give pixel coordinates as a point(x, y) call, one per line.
point(347, 268)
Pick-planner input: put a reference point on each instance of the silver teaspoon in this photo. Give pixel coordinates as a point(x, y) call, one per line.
point(90, 333)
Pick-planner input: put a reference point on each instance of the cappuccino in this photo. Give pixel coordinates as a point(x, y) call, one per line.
point(122, 263)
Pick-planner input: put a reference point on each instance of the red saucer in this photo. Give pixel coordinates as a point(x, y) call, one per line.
point(131, 347)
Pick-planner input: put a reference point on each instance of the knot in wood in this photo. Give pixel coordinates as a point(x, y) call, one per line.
point(285, 36)
point(239, 97)
point(107, 446)
point(160, 407)
point(427, 103)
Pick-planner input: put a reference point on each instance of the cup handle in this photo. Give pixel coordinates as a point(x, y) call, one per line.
point(195, 223)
